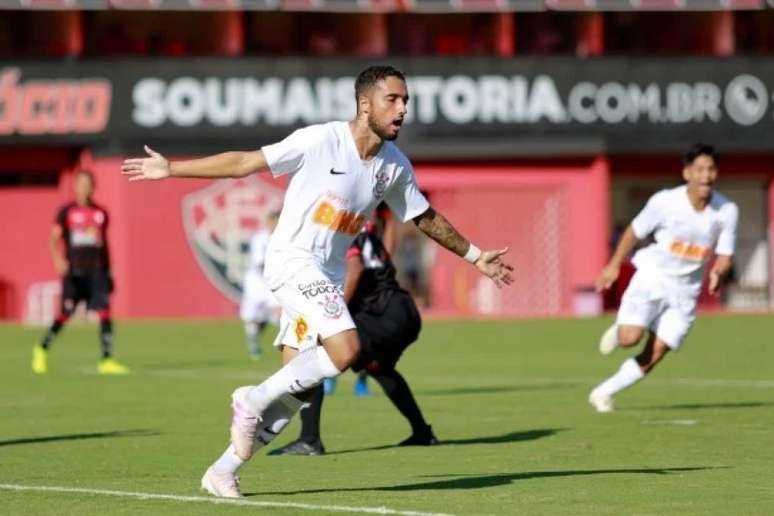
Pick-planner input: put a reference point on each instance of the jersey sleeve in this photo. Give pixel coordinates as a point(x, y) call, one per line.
point(727, 239)
point(404, 198)
point(288, 155)
point(649, 218)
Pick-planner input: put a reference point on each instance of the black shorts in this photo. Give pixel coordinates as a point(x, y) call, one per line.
point(384, 337)
point(92, 287)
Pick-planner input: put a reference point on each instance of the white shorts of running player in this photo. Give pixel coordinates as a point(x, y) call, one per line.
point(258, 303)
point(665, 307)
point(312, 306)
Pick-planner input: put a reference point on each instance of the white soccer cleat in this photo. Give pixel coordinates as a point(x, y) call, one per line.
point(609, 340)
point(244, 424)
point(222, 485)
point(602, 403)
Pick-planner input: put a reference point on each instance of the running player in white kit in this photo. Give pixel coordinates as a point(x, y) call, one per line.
point(259, 307)
point(689, 224)
point(339, 172)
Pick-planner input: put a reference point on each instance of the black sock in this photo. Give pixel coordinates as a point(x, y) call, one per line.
point(51, 333)
point(106, 337)
point(310, 417)
point(399, 392)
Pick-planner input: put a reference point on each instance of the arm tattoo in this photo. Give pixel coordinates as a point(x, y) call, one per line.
point(435, 225)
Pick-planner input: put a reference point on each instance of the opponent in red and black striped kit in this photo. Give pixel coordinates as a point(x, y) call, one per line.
point(79, 250)
point(387, 321)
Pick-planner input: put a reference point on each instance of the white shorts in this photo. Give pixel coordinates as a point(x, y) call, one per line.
point(666, 308)
point(312, 307)
point(258, 303)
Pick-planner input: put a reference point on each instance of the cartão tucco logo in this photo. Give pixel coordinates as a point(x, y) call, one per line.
point(219, 221)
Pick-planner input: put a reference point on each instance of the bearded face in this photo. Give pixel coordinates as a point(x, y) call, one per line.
point(386, 107)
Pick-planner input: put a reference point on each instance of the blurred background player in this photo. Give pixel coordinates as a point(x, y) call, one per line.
point(385, 228)
point(259, 307)
point(387, 321)
point(79, 250)
point(688, 224)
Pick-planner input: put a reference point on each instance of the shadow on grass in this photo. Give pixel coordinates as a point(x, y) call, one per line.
point(702, 406)
point(510, 437)
point(483, 481)
point(78, 437)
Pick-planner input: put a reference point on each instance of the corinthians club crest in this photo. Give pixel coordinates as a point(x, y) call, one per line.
point(219, 221)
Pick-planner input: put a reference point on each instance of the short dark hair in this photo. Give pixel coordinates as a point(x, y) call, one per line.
point(373, 74)
point(699, 149)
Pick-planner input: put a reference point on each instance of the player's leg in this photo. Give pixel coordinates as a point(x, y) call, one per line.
point(620, 335)
point(250, 310)
point(384, 338)
point(627, 375)
point(655, 350)
point(321, 315)
point(70, 298)
point(98, 286)
point(397, 389)
point(641, 305)
point(361, 385)
point(309, 441)
point(220, 479)
point(637, 310)
point(670, 329)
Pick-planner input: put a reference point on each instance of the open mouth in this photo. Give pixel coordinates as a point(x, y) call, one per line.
point(397, 123)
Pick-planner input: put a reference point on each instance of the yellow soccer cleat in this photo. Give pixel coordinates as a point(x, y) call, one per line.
point(39, 360)
point(111, 366)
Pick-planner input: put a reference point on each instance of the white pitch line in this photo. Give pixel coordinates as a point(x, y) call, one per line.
point(219, 501)
point(678, 422)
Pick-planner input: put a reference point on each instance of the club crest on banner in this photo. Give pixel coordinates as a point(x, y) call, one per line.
point(219, 221)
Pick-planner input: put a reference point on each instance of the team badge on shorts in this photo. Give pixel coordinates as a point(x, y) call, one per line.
point(381, 184)
point(332, 307)
point(301, 329)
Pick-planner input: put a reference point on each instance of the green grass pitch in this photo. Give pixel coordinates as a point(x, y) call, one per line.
point(508, 399)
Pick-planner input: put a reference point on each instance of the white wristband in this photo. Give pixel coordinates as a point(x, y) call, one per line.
point(473, 254)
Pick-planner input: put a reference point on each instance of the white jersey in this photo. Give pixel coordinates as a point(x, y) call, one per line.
point(685, 239)
point(331, 193)
point(259, 243)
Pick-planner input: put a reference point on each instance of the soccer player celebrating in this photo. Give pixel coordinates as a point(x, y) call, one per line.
point(339, 172)
point(387, 322)
point(81, 230)
point(688, 223)
point(259, 306)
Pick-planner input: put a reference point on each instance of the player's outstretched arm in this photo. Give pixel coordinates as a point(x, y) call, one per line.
point(435, 225)
point(613, 268)
point(225, 164)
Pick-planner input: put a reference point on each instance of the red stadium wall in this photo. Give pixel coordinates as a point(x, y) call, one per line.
point(552, 215)
point(543, 211)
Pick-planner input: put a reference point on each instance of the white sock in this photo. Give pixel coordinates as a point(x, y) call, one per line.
point(229, 462)
point(251, 337)
point(305, 371)
point(275, 419)
point(627, 375)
